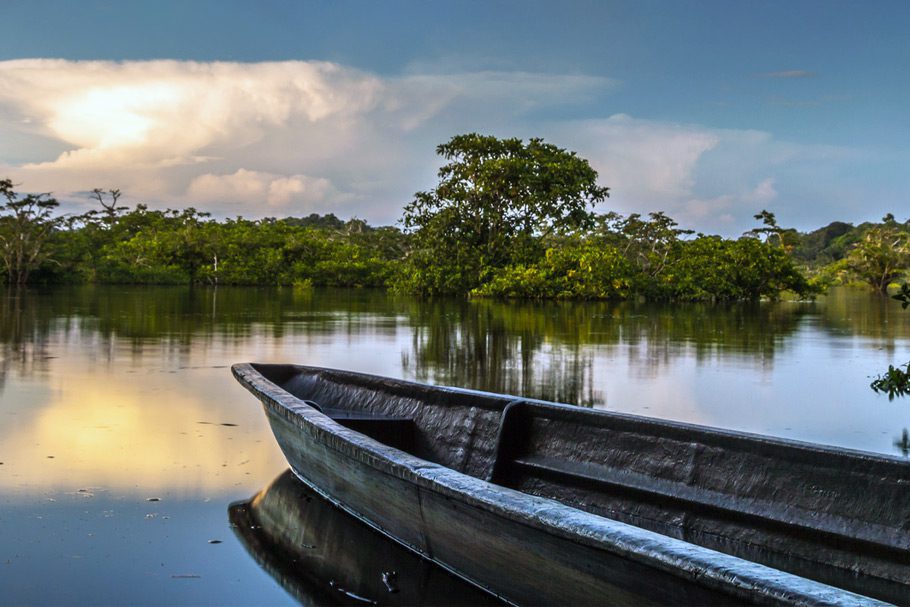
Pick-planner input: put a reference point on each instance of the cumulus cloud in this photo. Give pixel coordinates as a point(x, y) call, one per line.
point(294, 137)
point(712, 180)
point(763, 193)
point(722, 212)
point(644, 162)
point(250, 136)
point(276, 190)
point(163, 113)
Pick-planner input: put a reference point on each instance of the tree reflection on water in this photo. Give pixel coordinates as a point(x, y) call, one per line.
point(561, 351)
point(903, 443)
point(545, 349)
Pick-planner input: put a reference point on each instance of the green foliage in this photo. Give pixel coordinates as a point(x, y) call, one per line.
point(649, 244)
point(625, 256)
point(710, 268)
point(872, 253)
point(495, 199)
point(583, 270)
point(315, 220)
point(648, 258)
point(26, 224)
point(881, 257)
point(619, 257)
point(439, 262)
point(144, 246)
point(825, 245)
point(896, 380)
point(507, 219)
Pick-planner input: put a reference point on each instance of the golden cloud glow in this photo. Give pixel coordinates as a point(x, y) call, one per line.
point(159, 110)
point(308, 136)
point(240, 138)
point(276, 190)
point(111, 117)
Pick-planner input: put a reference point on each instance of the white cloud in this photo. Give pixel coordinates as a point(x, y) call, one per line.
point(161, 113)
point(711, 180)
point(276, 190)
point(297, 137)
point(763, 193)
point(521, 91)
point(246, 137)
point(721, 212)
point(643, 162)
point(698, 211)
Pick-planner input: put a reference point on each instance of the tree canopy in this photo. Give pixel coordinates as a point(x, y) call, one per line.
point(493, 198)
point(507, 218)
point(882, 256)
point(26, 224)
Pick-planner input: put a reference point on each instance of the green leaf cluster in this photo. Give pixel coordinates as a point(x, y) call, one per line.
point(26, 224)
point(508, 218)
point(497, 199)
point(146, 246)
point(514, 219)
point(711, 268)
point(894, 382)
point(582, 270)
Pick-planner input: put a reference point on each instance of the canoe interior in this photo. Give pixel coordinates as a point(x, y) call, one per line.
point(837, 516)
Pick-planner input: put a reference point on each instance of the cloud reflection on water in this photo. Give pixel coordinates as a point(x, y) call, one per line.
point(135, 433)
point(113, 381)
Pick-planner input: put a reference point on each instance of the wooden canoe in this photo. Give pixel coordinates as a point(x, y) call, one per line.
point(541, 503)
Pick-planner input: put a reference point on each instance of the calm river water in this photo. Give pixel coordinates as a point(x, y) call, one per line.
point(123, 437)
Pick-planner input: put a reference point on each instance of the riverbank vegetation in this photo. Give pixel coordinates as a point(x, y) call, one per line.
point(508, 219)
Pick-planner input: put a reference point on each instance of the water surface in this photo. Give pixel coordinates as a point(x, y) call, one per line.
point(123, 437)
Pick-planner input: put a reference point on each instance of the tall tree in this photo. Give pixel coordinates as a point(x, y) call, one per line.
point(882, 256)
point(494, 197)
point(26, 224)
point(110, 209)
point(649, 242)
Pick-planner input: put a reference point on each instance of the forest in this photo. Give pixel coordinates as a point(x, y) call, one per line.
point(508, 219)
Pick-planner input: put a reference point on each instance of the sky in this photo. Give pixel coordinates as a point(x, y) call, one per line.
point(709, 111)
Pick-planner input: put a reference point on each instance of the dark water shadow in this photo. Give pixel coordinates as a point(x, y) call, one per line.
point(323, 556)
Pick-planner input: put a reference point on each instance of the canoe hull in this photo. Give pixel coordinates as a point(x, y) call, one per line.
point(526, 549)
point(536, 567)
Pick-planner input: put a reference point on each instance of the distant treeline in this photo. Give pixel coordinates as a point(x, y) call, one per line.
point(508, 219)
point(619, 258)
point(145, 246)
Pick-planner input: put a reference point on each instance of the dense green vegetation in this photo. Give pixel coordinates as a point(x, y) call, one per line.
point(497, 204)
point(26, 224)
point(145, 246)
point(508, 219)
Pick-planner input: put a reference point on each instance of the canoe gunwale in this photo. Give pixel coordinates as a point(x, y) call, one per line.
point(819, 453)
point(714, 569)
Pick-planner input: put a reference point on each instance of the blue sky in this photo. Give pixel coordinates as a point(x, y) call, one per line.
point(709, 111)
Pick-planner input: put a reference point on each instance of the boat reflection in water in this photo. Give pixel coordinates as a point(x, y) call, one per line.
point(323, 556)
